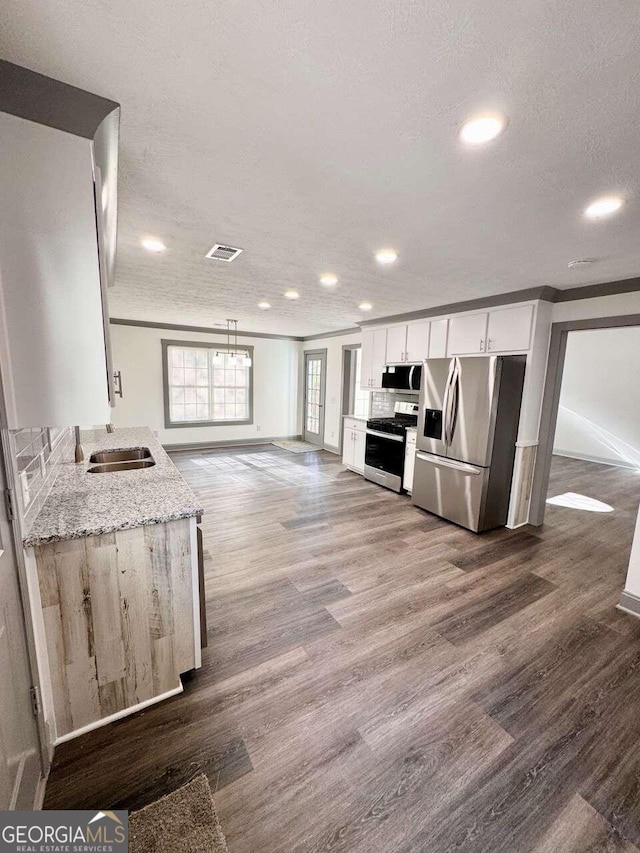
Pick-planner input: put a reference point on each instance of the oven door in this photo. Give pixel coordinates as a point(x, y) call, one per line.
point(384, 459)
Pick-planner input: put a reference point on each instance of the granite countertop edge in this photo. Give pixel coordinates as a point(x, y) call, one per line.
point(31, 541)
point(79, 506)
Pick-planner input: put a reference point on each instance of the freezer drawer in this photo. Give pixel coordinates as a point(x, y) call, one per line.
point(453, 490)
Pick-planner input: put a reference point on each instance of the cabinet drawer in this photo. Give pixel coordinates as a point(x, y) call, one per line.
point(355, 423)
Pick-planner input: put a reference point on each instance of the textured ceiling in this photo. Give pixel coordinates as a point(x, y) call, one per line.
point(313, 133)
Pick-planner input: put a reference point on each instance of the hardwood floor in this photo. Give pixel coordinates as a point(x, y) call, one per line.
point(380, 681)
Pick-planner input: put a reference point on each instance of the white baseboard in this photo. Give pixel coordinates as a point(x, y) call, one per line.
point(118, 716)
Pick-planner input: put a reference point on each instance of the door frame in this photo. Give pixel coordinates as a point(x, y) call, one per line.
point(45, 749)
point(311, 353)
point(551, 402)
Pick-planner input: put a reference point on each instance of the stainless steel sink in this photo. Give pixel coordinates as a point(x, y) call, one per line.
point(131, 465)
point(120, 455)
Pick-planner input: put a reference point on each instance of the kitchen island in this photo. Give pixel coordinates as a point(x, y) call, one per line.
point(113, 572)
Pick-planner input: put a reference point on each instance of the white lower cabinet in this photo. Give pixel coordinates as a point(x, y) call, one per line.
point(409, 461)
point(353, 444)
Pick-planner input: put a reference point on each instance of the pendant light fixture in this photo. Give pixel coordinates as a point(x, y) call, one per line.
point(233, 360)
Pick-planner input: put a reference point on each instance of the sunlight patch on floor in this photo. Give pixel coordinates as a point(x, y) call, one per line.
point(572, 500)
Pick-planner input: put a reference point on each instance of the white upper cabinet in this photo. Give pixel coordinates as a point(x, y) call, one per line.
point(467, 334)
point(53, 347)
point(408, 343)
point(438, 338)
point(510, 329)
point(374, 353)
point(396, 344)
point(418, 341)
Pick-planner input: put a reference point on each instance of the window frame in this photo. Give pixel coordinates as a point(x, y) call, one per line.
point(223, 347)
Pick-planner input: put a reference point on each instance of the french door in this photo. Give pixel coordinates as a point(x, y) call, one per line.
point(315, 369)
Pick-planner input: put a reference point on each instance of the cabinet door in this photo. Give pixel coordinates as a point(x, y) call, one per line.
point(347, 447)
point(418, 341)
point(510, 329)
point(379, 357)
point(396, 344)
point(467, 334)
point(366, 370)
point(54, 350)
point(359, 439)
point(409, 465)
point(438, 338)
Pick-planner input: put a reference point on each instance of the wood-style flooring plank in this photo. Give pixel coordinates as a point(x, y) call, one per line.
point(380, 681)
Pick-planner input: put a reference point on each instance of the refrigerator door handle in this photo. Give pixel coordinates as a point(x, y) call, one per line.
point(445, 404)
point(454, 402)
point(441, 462)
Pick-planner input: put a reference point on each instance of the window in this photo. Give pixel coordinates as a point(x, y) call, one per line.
point(207, 384)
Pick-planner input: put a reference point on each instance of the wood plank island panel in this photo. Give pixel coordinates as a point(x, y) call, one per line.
point(118, 616)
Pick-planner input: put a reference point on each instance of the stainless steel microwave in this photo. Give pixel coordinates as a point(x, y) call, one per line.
point(402, 377)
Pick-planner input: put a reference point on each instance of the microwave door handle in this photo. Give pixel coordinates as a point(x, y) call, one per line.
point(411, 388)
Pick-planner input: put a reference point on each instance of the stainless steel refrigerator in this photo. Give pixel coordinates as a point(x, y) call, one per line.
point(467, 429)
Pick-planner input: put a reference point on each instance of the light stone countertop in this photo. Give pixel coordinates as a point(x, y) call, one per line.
point(82, 504)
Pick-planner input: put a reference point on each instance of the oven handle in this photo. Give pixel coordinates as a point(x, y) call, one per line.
point(385, 435)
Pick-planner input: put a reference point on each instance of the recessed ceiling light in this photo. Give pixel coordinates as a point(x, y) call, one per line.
point(386, 256)
point(264, 305)
point(583, 262)
point(153, 245)
point(482, 129)
point(605, 206)
point(328, 279)
point(365, 306)
point(292, 294)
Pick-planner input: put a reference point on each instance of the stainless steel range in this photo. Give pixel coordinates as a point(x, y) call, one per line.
point(385, 446)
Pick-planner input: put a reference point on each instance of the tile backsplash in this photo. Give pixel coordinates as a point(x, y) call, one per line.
point(36, 453)
point(382, 402)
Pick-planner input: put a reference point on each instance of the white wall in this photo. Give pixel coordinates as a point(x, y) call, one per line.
point(137, 353)
point(333, 401)
point(599, 414)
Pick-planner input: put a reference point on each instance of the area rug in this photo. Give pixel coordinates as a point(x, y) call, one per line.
point(297, 446)
point(182, 822)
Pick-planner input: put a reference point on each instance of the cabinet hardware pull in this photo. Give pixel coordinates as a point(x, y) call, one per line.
point(489, 342)
point(481, 344)
point(117, 377)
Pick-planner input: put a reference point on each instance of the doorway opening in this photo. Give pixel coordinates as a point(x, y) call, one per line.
point(356, 401)
point(586, 485)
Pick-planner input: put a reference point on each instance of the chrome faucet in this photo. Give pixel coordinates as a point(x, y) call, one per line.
point(79, 452)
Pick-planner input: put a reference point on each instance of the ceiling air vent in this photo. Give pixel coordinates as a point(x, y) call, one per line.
point(223, 253)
